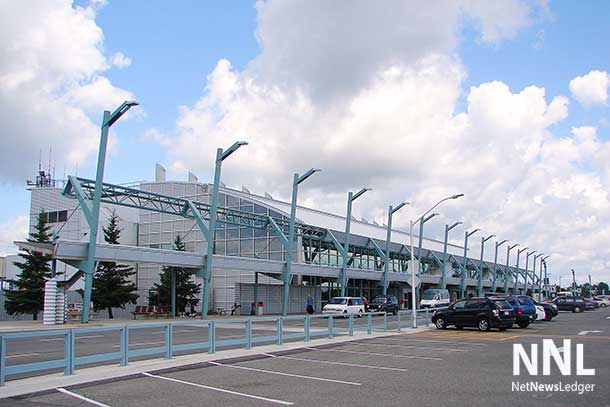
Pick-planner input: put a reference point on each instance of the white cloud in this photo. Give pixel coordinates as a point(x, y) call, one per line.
point(120, 60)
point(591, 89)
point(51, 66)
point(359, 94)
point(15, 229)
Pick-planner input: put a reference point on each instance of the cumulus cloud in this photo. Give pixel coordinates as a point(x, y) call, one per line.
point(51, 82)
point(120, 60)
point(15, 229)
point(591, 89)
point(370, 97)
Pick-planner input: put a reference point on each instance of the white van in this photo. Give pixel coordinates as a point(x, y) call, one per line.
point(434, 298)
point(344, 305)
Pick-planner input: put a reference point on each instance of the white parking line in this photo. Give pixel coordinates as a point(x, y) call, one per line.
point(367, 343)
point(329, 362)
point(83, 398)
point(436, 341)
point(23, 355)
point(375, 354)
point(285, 374)
point(252, 396)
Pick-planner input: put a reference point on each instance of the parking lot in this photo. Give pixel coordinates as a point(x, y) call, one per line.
point(435, 367)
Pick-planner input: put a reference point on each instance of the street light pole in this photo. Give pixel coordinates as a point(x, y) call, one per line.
point(388, 242)
point(495, 271)
point(527, 259)
point(291, 232)
point(220, 157)
point(465, 270)
point(422, 221)
point(480, 279)
point(534, 274)
point(413, 271)
point(542, 281)
point(519, 251)
point(443, 283)
point(573, 282)
point(508, 249)
point(351, 197)
point(108, 120)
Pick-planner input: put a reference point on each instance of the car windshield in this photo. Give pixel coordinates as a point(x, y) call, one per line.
point(379, 300)
point(429, 294)
point(502, 304)
point(338, 300)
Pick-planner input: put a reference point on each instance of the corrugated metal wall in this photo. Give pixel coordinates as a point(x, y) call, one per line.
point(272, 297)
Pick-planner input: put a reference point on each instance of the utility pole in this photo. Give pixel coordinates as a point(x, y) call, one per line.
point(573, 282)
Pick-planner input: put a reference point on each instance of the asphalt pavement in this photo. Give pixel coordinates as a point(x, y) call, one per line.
point(431, 368)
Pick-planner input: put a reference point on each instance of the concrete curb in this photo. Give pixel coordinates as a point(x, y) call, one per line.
point(37, 384)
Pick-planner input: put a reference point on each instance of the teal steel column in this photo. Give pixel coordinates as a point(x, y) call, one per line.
point(519, 251)
point(207, 272)
point(495, 270)
point(108, 120)
point(388, 242)
point(351, 197)
point(541, 281)
point(480, 279)
point(527, 260)
point(421, 238)
point(465, 270)
point(507, 271)
point(173, 293)
point(291, 233)
point(443, 283)
point(534, 273)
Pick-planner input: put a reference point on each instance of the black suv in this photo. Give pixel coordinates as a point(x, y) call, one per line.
point(483, 313)
point(570, 303)
point(387, 304)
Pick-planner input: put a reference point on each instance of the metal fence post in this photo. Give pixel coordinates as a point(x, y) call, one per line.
point(169, 333)
point(369, 323)
point(69, 344)
point(124, 345)
point(385, 322)
point(398, 321)
point(350, 324)
point(306, 328)
point(212, 337)
point(2, 359)
point(330, 326)
point(248, 333)
point(280, 331)
point(427, 318)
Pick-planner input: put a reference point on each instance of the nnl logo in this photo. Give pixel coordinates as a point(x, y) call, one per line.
point(549, 350)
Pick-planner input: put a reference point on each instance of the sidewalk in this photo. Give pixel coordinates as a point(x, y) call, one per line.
point(109, 372)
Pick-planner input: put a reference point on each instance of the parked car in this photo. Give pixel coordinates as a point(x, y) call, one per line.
point(344, 305)
point(483, 313)
point(525, 309)
point(383, 303)
point(590, 304)
point(434, 298)
point(603, 302)
point(570, 303)
point(550, 310)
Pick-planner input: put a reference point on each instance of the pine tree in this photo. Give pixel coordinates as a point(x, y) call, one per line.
point(187, 291)
point(111, 284)
point(29, 298)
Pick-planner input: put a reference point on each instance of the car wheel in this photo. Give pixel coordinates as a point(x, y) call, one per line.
point(577, 309)
point(503, 328)
point(523, 324)
point(483, 325)
point(549, 318)
point(440, 323)
point(396, 311)
point(360, 313)
point(603, 305)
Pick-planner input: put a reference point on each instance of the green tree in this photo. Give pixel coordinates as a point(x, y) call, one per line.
point(187, 291)
point(35, 271)
point(111, 282)
point(602, 288)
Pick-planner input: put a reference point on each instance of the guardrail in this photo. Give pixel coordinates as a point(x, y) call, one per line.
point(69, 362)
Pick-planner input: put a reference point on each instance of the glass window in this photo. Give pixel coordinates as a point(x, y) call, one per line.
point(276, 256)
point(470, 304)
point(260, 209)
point(232, 233)
point(62, 216)
point(247, 246)
point(246, 232)
point(261, 245)
point(260, 232)
point(222, 199)
point(459, 305)
point(232, 247)
point(52, 217)
point(220, 248)
point(220, 235)
point(232, 201)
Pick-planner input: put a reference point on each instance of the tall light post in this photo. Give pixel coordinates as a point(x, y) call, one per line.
point(465, 270)
point(220, 157)
point(534, 274)
point(542, 280)
point(297, 180)
point(480, 279)
point(519, 251)
point(351, 197)
point(495, 271)
point(527, 259)
point(573, 282)
point(388, 242)
point(443, 283)
point(413, 271)
point(421, 237)
point(508, 249)
point(108, 120)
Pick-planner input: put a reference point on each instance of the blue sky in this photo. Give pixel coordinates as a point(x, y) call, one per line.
point(175, 47)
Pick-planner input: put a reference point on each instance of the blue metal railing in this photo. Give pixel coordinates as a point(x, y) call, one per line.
point(305, 331)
